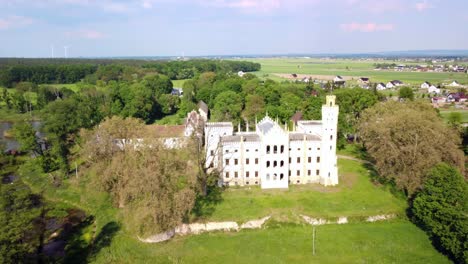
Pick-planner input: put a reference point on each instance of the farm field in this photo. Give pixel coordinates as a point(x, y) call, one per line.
point(350, 68)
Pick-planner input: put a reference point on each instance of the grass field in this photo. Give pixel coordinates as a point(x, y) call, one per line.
point(355, 196)
point(354, 68)
point(446, 113)
point(396, 241)
point(389, 242)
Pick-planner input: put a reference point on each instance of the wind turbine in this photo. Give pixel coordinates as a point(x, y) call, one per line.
point(65, 48)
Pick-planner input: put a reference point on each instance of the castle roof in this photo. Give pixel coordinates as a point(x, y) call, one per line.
point(300, 136)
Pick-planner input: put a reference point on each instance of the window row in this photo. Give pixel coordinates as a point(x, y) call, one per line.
point(236, 161)
point(275, 149)
point(236, 174)
point(309, 173)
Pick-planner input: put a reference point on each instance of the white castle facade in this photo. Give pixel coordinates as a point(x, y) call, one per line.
point(272, 156)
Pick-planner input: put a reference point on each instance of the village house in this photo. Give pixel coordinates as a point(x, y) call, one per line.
point(381, 87)
point(394, 84)
point(338, 80)
point(425, 85)
point(433, 89)
point(273, 156)
point(454, 84)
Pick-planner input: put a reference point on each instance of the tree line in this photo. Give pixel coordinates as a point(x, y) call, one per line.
point(61, 71)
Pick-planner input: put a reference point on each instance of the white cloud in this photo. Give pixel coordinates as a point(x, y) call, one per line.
point(85, 34)
point(366, 27)
point(14, 22)
point(421, 6)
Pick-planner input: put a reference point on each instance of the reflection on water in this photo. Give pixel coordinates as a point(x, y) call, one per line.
point(10, 142)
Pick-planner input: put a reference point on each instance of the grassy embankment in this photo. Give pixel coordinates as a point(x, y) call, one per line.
point(354, 68)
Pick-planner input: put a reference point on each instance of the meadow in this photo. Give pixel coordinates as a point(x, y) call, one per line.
point(352, 68)
point(285, 239)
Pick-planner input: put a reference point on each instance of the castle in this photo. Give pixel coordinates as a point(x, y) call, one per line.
point(272, 156)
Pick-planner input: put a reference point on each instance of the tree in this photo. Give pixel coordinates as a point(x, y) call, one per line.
point(19, 233)
point(254, 105)
point(25, 134)
point(228, 106)
point(441, 208)
point(158, 85)
point(406, 93)
point(406, 139)
point(352, 103)
point(155, 186)
point(289, 104)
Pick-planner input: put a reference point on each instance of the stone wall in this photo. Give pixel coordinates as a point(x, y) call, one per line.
point(198, 228)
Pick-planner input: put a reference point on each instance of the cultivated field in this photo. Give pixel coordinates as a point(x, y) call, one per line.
point(351, 68)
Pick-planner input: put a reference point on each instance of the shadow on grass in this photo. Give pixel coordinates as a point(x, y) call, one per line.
point(206, 205)
point(81, 251)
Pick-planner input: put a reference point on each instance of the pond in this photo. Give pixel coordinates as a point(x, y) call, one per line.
point(10, 142)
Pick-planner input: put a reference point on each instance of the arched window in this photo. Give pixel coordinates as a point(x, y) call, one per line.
point(282, 163)
point(275, 149)
point(281, 176)
point(268, 149)
point(275, 163)
point(268, 164)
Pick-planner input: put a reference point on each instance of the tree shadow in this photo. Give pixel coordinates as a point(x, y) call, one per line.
point(206, 205)
point(81, 251)
point(104, 238)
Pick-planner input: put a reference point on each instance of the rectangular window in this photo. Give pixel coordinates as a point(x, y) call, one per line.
point(309, 159)
point(226, 161)
point(212, 152)
point(275, 149)
point(298, 172)
point(236, 174)
point(256, 161)
point(309, 172)
point(256, 174)
point(268, 149)
point(227, 174)
point(236, 161)
point(318, 159)
point(317, 172)
point(298, 160)
point(247, 161)
point(289, 174)
point(282, 149)
point(289, 160)
point(247, 174)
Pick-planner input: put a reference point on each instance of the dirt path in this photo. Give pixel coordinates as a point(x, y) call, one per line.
point(353, 158)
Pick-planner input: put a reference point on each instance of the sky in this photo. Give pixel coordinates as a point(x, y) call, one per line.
point(103, 28)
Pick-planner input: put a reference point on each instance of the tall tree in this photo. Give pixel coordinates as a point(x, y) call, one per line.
point(441, 208)
point(406, 140)
point(228, 106)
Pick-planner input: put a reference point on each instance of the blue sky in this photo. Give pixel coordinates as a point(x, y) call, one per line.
point(29, 28)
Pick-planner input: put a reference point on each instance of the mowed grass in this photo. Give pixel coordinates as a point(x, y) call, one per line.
point(356, 68)
point(446, 113)
point(397, 241)
point(355, 196)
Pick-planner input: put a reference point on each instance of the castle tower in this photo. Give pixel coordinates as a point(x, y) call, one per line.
point(328, 163)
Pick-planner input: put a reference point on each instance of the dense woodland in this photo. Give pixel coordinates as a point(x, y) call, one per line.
point(123, 96)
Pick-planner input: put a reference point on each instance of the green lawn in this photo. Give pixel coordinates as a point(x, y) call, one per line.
point(385, 242)
point(355, 68)
point(355, 196)
point(179, 83)
point(464, 114)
